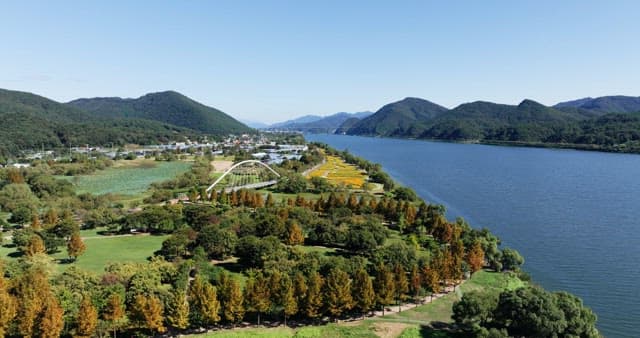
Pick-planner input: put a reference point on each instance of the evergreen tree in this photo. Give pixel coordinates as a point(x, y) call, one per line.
point(384, 286)
point(337, 290)
point(86, 319)
point(363, 294)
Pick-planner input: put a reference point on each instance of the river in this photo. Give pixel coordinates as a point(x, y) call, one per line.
point(574, 215)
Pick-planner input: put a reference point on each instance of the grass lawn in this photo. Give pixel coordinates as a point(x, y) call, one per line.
point(127, 178)
point(361, 329)
point(103, 250)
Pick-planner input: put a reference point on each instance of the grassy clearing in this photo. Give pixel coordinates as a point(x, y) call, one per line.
point(363, 330)
point(338, 172)
point(108, 249)
point(128, 178)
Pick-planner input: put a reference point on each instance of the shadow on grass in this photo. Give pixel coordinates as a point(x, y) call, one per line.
point(437, 330)
point(232, 266)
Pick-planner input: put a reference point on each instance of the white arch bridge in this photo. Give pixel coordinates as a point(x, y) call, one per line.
point(249, 174)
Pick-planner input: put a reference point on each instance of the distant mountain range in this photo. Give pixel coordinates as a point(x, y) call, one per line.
point(604, 123)
point(31, 121)
point(318, 124)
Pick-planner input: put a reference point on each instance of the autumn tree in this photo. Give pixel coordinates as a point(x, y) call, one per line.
point(314, 301)
point(475, 257)
point(257, 294)
point(363, 294)
point(35, 246)
point(300, 290)
point(287, 298)
point(75, 246)
point(148, 311)
point(294, 234)
point(113, 311)
point(384, 286)
point(232, 300)
point(204, 302)
point(8, 304)
point(415, 281)
point(35, 222)
point(32, 291)
point(401, 285)
point(86, 319)
point(337, 291)
point(51, 321)
point(431, 279)
point(177, 311)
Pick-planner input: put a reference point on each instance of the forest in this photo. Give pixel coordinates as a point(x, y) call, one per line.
point(305, 252)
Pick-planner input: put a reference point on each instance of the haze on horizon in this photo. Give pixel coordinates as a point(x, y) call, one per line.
point(271, 61)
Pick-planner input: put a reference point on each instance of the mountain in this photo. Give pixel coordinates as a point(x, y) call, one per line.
point(604, 104)
point(302, 119)
point(31, 121)
point(402, 118)
point(254, 124)
point(166, 107)
point(346, 125)
point(326, 124)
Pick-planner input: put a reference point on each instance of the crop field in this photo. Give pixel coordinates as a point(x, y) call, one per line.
point(338, 172)
point(127, 179)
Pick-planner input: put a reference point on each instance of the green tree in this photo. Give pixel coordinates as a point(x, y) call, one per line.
point(257, 295)
point(113, 312)
point(511, 259)
point(177, 311)
point(288, 299)
point(474, 309)
point(314, 299)
point(232, 304)
point(401, 285)
point(337, 290)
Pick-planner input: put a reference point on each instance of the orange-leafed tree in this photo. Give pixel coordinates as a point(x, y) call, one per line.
point(75, 246)
point(475, 257)
point(86, 319)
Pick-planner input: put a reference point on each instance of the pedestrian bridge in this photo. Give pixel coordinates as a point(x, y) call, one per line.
point(249, 174)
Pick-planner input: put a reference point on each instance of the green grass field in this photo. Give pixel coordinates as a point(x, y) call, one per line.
point(127, 179)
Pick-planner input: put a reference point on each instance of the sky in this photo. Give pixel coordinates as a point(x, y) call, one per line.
point(270, 61)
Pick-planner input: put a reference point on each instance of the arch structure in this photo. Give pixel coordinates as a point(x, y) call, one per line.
point(249, 174)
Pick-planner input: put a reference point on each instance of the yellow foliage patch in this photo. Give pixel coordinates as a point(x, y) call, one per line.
point(338, 172)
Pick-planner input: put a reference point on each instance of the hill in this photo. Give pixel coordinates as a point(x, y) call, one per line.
point(326, 124)
point(346, 125)
point(604, 104)
point(299, 120)
point(166, 107)
point(403, 118)
point(31, 121)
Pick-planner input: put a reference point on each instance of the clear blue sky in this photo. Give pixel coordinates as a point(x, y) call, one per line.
point(272, 60)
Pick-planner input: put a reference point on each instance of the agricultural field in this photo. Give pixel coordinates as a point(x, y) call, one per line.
point(338, 172)
point(127, 177)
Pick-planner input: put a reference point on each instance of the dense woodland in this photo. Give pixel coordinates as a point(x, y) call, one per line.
point(606, 124)
point(315, 254)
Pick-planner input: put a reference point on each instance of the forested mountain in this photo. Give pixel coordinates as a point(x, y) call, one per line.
point(604, 104)
point(585, 123)
point(400, 118)
point(327, 124)
point(30, 121)
point(166, 107)
point(346, 125)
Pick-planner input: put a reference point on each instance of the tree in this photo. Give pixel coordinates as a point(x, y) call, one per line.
point(86, 319)
point(177, 312)
point(337, 290)
point(431, 279)
point(204, 302)
point(288, 299)
point(35, 246)
point(300, 290)
point(415, 281)
point(148, 311)
point(475, 257)
point(294, 234)
point(75, 246)
point(52, 321)
point(314, 300)
point(233, 309)
point(113, 311)
point(8, 304)
point(511, 259)
point(474, 309)
point(363, 294)
point(401, 285)
point(256, 294)
point(384, 285)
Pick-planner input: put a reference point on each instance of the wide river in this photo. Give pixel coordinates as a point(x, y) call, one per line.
point(574, 215)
